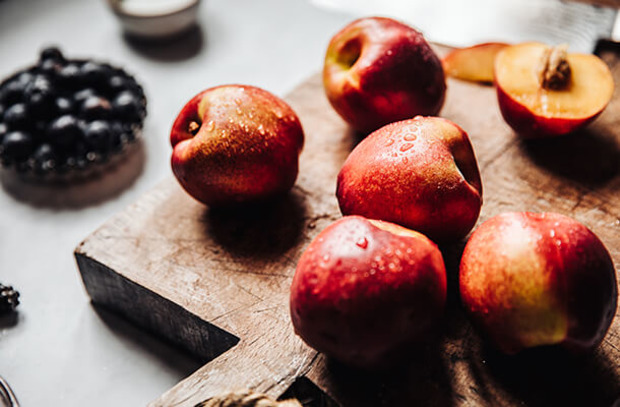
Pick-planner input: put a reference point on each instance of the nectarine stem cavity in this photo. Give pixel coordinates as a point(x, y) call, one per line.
point(350, 53)
point(193, 127)
point(554, 71)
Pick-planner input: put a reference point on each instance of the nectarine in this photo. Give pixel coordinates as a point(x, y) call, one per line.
point(366, 292)
point(530, 279)
point(235, 144)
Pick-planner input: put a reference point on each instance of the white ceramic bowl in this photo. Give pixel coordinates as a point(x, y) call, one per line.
point(155, 18)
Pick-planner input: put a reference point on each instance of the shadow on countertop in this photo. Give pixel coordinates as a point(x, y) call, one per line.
point(79, 193)
point(173, 49)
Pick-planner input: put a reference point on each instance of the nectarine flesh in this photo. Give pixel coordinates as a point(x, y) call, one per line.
point(532, 109)
point(475, 63)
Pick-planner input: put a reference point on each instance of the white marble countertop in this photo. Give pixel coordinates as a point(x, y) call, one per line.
point(58, 349)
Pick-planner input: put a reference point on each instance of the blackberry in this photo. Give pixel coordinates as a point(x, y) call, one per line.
point(9, 299)
point(64, 114)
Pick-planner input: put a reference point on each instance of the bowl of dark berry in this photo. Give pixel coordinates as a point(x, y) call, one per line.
point(67, 118)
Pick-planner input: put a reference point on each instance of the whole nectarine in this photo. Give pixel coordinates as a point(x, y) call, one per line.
point(420, 173)
point(365, 292)
point(378, 70)
point(235, 144)
point(530, 279)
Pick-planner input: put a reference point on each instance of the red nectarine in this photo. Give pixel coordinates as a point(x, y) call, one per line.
point(365, 292)
point(530, 279)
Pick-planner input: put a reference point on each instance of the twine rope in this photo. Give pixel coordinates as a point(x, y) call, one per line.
point(246, 398)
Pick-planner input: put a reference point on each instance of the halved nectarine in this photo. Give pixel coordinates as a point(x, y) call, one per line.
point(473, 63)
point(545, 91)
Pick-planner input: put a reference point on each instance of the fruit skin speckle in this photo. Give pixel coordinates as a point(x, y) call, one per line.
point(367, 292)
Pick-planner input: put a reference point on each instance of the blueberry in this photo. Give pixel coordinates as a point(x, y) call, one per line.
point(64, 105)
point(51, 53)
point(98, 136)
point(11, 92)
point(17, 145)
point(95, 107)
point(16, 117)
point(44, 158)
point(39, 83)
point(69, 76)
point(50, 67)
point(3, 131)
point(84, 94)
point(95, 74)
point(64, 132)
point(42, 105)
point(128, 107)
point(117, 83)
point(120, 82)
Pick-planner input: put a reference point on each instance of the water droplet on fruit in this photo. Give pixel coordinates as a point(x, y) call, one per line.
point(389, 142)
point(405, 160)
point(388, 52)
point(362, 243)
point(210, 125)
point(410, 137)
point(406, 147)
point(239, 111)
point(552, 233)
point(261, 129)
point(326, 257)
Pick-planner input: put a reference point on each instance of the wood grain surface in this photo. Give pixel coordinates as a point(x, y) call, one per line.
point(217, 282)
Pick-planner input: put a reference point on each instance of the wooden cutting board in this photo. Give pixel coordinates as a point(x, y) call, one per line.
point(217, 282)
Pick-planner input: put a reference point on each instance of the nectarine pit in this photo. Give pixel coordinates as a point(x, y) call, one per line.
point(554, 70)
